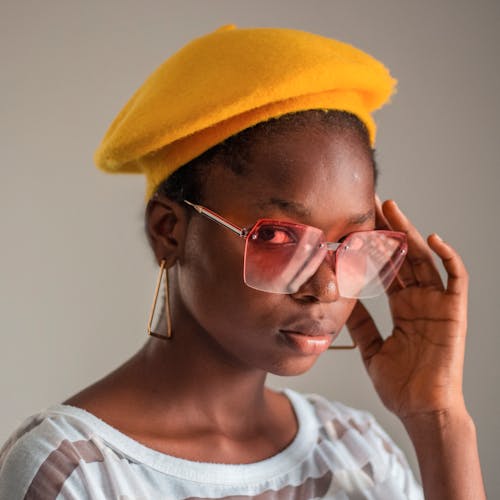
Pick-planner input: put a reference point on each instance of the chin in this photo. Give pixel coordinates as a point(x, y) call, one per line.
point(292, 367)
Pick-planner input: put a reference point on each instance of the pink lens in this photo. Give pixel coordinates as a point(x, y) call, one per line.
point(280, 257)
point(368, 261)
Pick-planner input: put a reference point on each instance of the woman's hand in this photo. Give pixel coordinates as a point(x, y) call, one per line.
point(417, 370)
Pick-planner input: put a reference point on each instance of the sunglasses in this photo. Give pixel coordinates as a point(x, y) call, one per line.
point(280, 256)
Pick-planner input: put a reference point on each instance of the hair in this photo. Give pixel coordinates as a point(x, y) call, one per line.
point(188, 181)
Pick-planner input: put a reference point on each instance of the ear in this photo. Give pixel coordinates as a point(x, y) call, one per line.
point(166, 223)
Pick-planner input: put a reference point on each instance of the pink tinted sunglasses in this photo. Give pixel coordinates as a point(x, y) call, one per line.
point(281, 256)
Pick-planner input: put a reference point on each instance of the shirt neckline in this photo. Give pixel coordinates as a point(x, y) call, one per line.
point(215, 473)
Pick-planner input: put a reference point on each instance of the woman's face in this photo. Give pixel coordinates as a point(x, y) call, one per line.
point(319, 177)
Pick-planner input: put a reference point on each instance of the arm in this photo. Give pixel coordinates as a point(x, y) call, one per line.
point(417, 370)
point(447, 454)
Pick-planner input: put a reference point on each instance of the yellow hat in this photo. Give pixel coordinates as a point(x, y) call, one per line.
point(226, 81)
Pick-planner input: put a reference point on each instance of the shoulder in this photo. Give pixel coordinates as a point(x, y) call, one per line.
point(42, 454)
point(355, 443)
point(355, 428)
point(337, 418)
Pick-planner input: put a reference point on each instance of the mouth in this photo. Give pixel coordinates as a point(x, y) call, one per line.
point(311, 341)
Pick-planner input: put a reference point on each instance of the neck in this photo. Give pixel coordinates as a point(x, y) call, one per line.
point(193, 370)
point(194, 373)
point(188, 397)
point(225, 409)
point(212, 386)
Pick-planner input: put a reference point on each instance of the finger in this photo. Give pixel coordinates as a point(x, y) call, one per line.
point(380, 220)
point(364, 332)
point(458, 278)
point(400, 281)
point(419, 261)
point(405, 276)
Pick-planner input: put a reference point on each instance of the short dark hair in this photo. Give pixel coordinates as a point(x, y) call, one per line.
point(188, 181)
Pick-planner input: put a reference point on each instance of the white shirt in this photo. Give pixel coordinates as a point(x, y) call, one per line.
point(338, 453)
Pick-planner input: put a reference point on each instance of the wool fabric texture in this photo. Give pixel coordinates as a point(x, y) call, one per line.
point(226, 81)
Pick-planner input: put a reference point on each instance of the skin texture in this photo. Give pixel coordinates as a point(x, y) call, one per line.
point(203, 392)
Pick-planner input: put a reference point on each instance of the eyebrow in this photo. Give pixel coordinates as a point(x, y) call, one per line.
point(359, 219)
point(289, 207)
point(295, 209)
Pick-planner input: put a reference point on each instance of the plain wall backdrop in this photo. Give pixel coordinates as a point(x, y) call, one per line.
point(76, 274)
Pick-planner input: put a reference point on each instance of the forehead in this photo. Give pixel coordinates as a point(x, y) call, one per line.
point(313, 170)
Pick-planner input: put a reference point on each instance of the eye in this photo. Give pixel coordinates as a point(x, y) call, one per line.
point(274, 235)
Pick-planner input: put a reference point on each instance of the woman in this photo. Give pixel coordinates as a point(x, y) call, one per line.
point(257, 147)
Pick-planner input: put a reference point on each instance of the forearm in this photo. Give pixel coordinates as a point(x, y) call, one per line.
point(448, 457)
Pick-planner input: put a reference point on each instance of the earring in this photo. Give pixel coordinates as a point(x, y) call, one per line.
point(166, 308)
point(343, 347)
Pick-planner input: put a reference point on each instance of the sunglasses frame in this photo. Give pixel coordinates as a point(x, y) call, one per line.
point(243, 232)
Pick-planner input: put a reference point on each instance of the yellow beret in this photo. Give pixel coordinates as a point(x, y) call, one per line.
point(226, 81)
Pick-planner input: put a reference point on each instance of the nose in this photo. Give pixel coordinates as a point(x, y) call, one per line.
point(322, 285)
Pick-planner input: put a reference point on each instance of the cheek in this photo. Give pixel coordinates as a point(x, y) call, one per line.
point(211, 282)
point(212, 259)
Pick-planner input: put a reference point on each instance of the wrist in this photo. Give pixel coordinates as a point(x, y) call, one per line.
point(437, 433)
point(446, 446)
point(439, 423)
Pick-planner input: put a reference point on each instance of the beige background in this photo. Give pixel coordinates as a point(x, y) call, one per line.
point(76, 275)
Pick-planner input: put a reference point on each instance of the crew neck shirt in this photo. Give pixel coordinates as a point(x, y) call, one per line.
point(338, 453)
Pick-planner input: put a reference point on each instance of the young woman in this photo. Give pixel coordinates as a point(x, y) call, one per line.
point(257, 147)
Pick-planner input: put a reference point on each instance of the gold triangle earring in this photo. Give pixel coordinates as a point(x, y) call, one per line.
point(343, 347)
point(163, 270)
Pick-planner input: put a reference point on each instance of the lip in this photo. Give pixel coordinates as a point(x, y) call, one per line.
point(307, 343)
point(310, 326)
